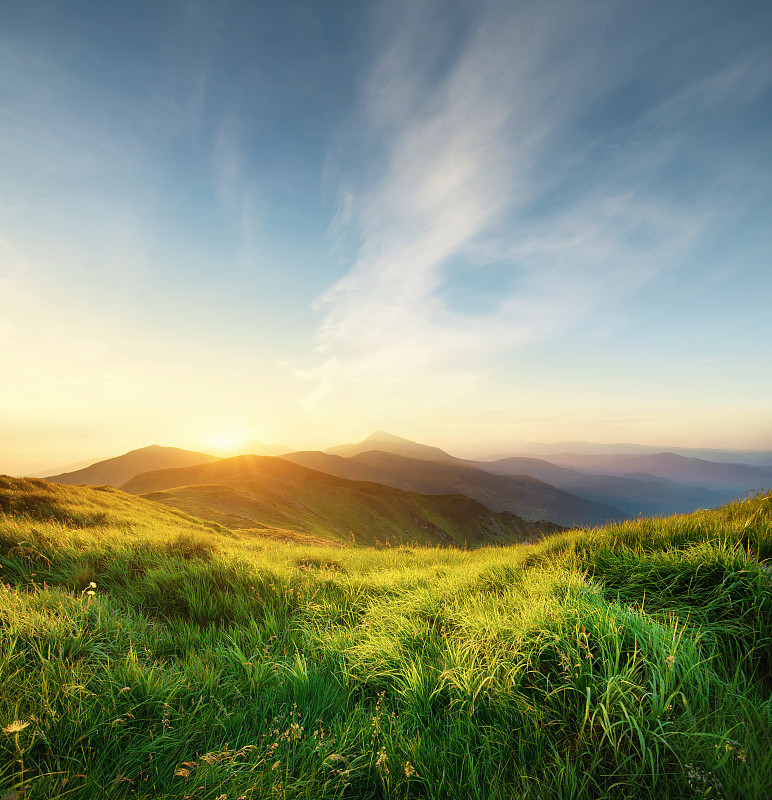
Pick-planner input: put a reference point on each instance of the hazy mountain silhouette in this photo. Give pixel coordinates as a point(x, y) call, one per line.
point(61, 469)
point(251, 491)
point(651, 496)
point(116, 471)
point(566, 488)
point(495, 451)
point(389, 443)
point(732, 478)
point(661, 492)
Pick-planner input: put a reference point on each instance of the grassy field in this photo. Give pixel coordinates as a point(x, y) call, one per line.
point(148, 654)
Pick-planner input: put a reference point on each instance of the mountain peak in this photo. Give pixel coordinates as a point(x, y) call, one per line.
point(389, 443)
point(385, 436)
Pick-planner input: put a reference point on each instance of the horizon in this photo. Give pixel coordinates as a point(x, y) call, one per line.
point(467, 223)
point(482, 451)
point(227, 447)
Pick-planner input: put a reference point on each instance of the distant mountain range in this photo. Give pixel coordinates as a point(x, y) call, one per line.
point(523, 495)
point(493, 451)
point(63, 469)
point(253, 491)
point(569, 489)
point(649, 495)
point(724, 477)
point(630, 484)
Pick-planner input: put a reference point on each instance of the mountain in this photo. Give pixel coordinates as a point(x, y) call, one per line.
point(389, 443)
point(490, 451)
point(649, 495)
point(754, 458)
point(255, 447)
point(732, 478)
point(250, 492)
point(522, 495)
point(116, 471)
point(63, 468)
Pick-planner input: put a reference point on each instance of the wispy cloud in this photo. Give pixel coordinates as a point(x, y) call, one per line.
point(701, 363)
point(482, 157)
point(235, 186)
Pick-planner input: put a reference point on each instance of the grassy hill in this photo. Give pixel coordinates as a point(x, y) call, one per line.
point(522, 495)
point(253, 491)
point(148, 654)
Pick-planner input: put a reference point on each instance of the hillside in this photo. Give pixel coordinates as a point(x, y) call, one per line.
point(40, 503)
point(251, 491)
point(147, 654)
point(116, 471)
point(522, 495)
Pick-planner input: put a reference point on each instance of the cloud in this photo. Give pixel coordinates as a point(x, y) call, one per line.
point(450, 169)
point(235, 187)
point(483, 149)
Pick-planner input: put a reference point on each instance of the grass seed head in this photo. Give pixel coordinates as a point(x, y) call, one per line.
point(17, 726)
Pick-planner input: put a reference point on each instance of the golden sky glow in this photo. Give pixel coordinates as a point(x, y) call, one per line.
point(496, 222)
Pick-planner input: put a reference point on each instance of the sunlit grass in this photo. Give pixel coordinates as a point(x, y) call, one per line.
point(629, 661)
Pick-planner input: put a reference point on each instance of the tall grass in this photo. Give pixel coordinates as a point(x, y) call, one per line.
point(144, 653)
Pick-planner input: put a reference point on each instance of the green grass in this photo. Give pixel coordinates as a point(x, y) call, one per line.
point(629, 661)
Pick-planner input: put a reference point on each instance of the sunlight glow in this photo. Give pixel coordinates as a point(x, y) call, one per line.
point(226, 440)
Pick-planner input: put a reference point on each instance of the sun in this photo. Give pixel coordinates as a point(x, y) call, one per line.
point(227, 440)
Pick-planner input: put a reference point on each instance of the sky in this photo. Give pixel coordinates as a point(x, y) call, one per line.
point(460, 222)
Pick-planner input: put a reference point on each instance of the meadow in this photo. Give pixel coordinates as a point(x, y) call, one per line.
point(145, 653)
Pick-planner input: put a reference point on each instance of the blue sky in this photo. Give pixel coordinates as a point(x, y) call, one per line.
point(458, 221)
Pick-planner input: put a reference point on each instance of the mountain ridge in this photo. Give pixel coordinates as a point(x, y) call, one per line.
point(623, 484)
point(634, 494)
point(672, 466)
point(390, 443)
point(522, 495)
point(494, 451)
point(119, 469)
